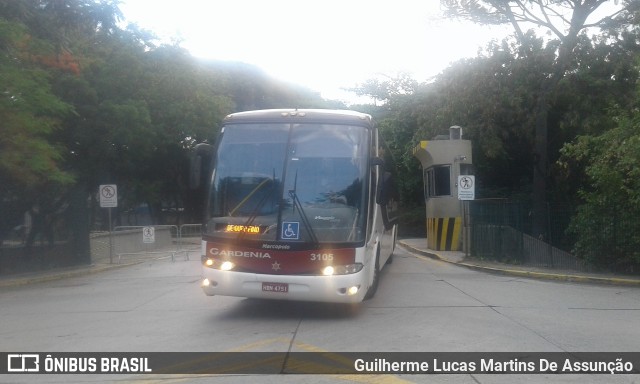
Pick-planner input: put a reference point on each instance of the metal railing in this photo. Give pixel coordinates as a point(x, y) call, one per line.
point(139, 242)
point(499, 231)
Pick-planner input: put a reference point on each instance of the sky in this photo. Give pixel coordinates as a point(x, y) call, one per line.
point(324, 45)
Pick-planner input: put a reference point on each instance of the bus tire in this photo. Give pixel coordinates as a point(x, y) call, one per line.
point(373, 288)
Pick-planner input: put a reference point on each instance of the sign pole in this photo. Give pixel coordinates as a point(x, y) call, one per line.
point(108, 194)
point(466, 193)
point(466, 226)
point(110, 238)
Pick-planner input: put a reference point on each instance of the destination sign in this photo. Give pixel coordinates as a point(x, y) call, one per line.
point(233, 228)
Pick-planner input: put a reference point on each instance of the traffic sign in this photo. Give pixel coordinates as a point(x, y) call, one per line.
point(108, 195)
point(148, 235)
point(466, 187)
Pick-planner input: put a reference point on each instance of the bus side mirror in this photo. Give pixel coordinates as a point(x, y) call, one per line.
point(384, 189)
point(201, 154)
point(377, 162)
point(387, 197)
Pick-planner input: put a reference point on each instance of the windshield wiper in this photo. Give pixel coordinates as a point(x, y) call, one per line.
point(249, 196)
point(258, 207)
point(303, 215)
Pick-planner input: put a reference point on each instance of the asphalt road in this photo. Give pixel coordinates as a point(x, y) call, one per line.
point(422, 305)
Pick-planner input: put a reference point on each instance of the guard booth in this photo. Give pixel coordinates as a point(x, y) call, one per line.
point(443, 159)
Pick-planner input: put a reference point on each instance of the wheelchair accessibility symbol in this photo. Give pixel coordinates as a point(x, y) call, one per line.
point(290, 230)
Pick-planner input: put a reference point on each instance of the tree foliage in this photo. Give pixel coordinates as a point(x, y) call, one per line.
point(606, 224)
point(565, 22)
point(30, 112)
point(84, 102)
point(494, 97)
point(602, 164)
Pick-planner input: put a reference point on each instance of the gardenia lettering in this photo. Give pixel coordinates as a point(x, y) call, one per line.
point(234, 253)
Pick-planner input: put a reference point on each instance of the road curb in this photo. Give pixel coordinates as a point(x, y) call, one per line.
point(524, 273)
point(59, 275)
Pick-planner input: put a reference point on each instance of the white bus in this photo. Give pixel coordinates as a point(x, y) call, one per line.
point(301, 205)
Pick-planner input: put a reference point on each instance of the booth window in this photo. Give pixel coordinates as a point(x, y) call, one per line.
point(437, 181)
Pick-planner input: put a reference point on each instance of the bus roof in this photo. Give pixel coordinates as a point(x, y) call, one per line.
point(301, 115)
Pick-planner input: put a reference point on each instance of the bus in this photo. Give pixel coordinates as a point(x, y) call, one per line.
point(300, 205)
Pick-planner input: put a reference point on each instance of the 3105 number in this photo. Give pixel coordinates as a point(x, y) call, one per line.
point(321, 257)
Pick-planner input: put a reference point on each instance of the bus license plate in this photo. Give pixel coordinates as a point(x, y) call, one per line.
point(275, 287)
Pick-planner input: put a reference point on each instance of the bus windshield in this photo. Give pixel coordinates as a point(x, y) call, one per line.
point(290, 182)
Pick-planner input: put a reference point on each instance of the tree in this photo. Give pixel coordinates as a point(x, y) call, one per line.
point(564, 21)
point(84, 102)
point(34, 51)
point(606, 224)
point(29, 112)
point(387, 90)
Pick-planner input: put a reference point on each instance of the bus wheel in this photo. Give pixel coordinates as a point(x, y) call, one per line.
point(376, 278)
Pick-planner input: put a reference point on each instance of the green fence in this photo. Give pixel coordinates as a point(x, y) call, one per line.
point(500, 230)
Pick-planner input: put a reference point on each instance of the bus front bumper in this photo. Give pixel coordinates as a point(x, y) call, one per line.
point(349, 288)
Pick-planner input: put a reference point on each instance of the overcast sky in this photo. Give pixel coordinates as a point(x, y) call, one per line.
point(324, 45)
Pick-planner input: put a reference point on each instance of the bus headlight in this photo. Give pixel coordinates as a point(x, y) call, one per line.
point(227, 266)
point(328, 271)
point(341, 269)
point(219, 264)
